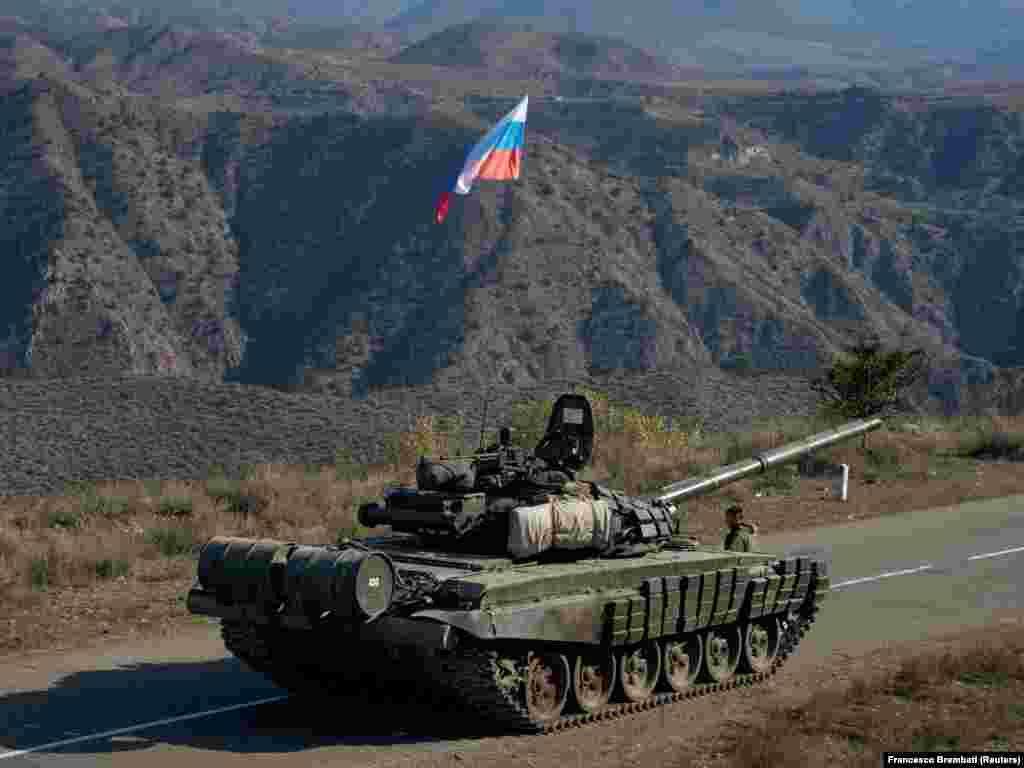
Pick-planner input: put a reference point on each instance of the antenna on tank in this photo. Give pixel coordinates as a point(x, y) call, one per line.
point(487, 396)
point(483, 422)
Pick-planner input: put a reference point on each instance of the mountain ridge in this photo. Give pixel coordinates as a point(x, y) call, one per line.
point(517, 51)
point(263, 230)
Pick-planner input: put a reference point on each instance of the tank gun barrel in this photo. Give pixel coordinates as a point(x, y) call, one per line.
point(785, 454)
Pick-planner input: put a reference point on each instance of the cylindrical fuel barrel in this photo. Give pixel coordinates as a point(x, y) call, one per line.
point(242, 570)
point(367, 579)
point(352, 583)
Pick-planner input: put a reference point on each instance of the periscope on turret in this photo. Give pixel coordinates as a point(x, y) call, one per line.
point(516, 590)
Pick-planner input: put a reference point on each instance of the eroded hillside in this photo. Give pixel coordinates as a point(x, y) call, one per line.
point(204, 229)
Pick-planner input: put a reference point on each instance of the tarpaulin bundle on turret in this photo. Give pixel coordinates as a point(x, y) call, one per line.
point(587, 516)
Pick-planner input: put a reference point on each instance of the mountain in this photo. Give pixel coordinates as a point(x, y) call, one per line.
point(177, 201)
point(852, 41)
point(837, 38)
point(952, 25)
point(514, 51)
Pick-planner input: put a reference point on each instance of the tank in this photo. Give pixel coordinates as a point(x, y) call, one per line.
point(509, 588)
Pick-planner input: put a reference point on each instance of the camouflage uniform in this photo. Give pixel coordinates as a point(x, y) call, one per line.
point(740, 538)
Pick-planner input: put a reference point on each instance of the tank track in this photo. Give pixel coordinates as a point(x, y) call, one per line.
point(467, 678)
point(265, 648)
point(470, 677)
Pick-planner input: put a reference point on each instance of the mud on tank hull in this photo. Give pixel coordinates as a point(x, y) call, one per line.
point(530, 647)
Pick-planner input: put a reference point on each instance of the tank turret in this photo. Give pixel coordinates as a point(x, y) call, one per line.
point(472, 501)
point(512, 589)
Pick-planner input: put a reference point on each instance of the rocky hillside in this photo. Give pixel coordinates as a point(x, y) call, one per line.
point(516, 52)
point(174, 204)
point(957, 169)
point(63, 430)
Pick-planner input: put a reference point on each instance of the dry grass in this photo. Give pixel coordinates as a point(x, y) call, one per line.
point(112, 541)
point(116, 539)
point(915, 464)
point(961, 699)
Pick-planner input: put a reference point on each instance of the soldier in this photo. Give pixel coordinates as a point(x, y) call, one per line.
point(740, 537)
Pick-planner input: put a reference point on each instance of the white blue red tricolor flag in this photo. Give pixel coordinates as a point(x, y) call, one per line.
point(498, 156)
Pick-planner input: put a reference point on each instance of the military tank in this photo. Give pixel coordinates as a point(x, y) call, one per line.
point(512, 589)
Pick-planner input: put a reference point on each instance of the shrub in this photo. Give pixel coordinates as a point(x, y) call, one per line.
point(112, 568)
point(172, 542)
point(79, 488)
point(530, 421)
point(989, 443)
point(224, 490)
point(949, 466)
point(105, 506)
point(39, 572)
point(346, 468)
point(869, 380)
point(644, 430)
point(393, 450)
point(63, 518)
point(175, 506)
point(616, 477)
point(450, 435)
point(777, 480)
point(881, 462)
point(738, 450)
point(691, 426)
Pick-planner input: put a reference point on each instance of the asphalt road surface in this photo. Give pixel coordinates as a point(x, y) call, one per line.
point(171, 701)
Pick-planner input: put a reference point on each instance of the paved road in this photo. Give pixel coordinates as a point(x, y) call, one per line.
point(897, 579)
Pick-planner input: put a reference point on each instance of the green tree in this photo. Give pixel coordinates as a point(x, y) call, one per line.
point(870, 380)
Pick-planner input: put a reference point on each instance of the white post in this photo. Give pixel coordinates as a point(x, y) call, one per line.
point(841, 483)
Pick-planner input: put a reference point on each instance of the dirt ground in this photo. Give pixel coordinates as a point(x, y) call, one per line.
point(924, 695)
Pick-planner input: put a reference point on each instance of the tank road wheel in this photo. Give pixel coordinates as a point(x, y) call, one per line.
point(722, 649)
point(761, 641)
point(639, 669)
point(547, 685)
point(680, 662)
point(593, 680)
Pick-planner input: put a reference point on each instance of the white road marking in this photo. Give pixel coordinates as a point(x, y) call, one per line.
point(997, 554)
point(880, 576)
point(139, 727)
point(248, 704)
point(924, 567)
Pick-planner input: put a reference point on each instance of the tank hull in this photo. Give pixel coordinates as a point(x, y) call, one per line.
point(482, 656)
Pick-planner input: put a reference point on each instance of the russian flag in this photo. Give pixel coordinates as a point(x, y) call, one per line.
point(498, 156)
